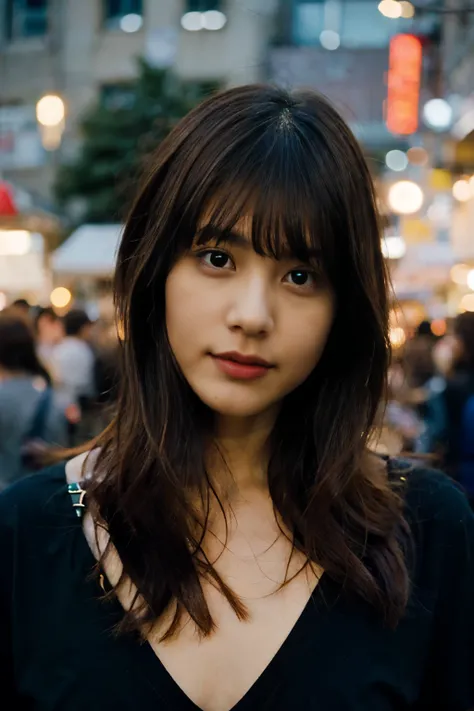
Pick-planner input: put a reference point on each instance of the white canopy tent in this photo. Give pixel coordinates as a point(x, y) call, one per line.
point(90, 251)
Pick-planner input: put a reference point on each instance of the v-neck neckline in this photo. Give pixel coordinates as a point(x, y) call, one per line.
point(262, 689)
point(149, 664)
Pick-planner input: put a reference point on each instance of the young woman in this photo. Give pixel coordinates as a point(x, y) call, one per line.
point(250, 552)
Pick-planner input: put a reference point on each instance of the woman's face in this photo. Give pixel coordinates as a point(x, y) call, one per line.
point(245, 330)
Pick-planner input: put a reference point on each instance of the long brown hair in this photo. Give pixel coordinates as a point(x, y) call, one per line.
point(293, 159)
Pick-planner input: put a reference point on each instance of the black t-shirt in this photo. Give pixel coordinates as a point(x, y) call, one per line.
point(58, 653)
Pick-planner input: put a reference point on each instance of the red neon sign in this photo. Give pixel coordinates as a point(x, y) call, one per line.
point(404, 77)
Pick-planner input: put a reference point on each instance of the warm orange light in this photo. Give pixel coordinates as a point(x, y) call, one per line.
point(467, 302)
point(397, 337)
point(60, 297)
point(404, 77)
point(438, 327)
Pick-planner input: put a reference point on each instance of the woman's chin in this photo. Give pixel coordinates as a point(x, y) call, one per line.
point(234, 406)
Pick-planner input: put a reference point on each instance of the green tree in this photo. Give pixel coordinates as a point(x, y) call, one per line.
point(117, 138)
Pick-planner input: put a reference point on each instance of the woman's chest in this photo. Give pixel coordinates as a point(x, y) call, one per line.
point(334, 657)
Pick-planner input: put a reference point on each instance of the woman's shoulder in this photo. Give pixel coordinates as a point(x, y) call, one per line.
point(435, 504)
point(33, 496)
point(37, 492)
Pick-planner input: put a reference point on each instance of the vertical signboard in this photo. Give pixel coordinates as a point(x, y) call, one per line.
point(403, 84)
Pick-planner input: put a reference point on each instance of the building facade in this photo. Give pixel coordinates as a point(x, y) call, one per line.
point(339, 47)
point(80, 50)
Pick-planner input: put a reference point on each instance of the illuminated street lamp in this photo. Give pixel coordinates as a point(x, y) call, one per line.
point(50, 114)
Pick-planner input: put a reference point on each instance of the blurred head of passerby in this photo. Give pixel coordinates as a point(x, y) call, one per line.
point(424, 329)
point(78, 324)
point(22, 305)
point(418, 361)
point(49, 327)
point(28, 411)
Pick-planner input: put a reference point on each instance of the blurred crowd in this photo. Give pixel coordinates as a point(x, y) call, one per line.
point(430, 410)
point(57, 383)
point(58, 377)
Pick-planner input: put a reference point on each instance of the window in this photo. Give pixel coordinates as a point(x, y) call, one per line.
point(358, 22)
point(116, 10)
point(308, 22)
point(364, 26)
point(202, 5)
point(26, 18)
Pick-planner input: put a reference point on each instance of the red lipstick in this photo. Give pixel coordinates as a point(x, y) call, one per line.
point(241, 367)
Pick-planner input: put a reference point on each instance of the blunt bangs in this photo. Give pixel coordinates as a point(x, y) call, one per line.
point(279, 174)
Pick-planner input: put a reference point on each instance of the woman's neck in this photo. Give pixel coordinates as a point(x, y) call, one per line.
point(239, 458)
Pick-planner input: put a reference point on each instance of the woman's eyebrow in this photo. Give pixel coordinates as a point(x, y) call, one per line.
point(213, 233)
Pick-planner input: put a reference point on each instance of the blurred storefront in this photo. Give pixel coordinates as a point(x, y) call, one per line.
point(341, 49)
point(27, 233)
point(84, 265)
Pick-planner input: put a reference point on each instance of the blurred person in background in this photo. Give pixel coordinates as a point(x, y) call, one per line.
point(73, 363)
point(459, 402)
point(22, 305)
point(49, 334)
point(73, 358)
point(28, 410)
point(410, 377)
point(449, 416)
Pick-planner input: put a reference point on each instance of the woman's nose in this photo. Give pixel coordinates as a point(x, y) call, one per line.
point(251, 310)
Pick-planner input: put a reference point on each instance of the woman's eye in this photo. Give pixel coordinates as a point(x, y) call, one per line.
point(215, 259)
point(302, 277)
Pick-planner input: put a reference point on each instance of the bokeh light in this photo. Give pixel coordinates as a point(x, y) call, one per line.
point(408, 10)
point(393, 247)
point(462, 190)
point(470, 279)
point(330, 40)
point(391, 9)
point(60, 297)
point(50, 110)
point(131, 23)
point(396, 160)
point(213, 20)
point(397, 337)
point(405, 197)
point(438, 114)
point(467, 302)
point(417, 155)
point(192, 21)
point(459, 274)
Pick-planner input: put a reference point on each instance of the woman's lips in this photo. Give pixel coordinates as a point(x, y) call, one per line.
point(239, 370)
